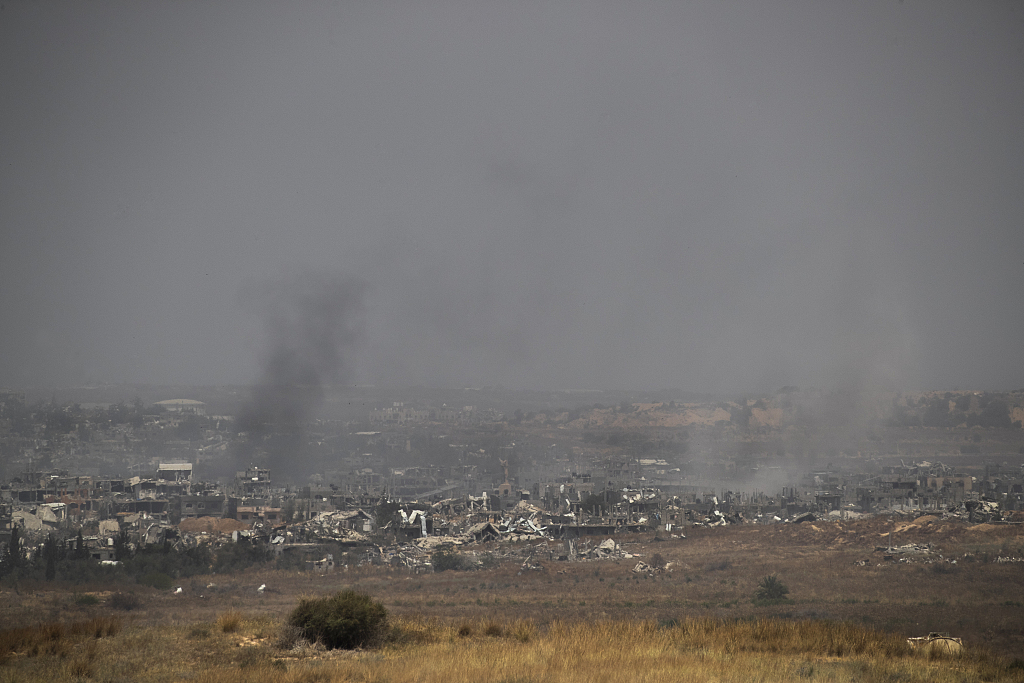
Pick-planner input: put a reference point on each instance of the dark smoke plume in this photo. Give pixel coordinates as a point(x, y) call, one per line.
point(314, 322)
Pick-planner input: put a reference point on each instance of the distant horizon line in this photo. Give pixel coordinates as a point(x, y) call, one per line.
point(494, 388)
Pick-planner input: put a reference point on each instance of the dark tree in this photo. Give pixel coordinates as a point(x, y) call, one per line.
point(11, 558)
point(50, 557)
point(122, 550)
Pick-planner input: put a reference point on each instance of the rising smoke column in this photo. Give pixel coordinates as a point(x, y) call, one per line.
point(314, 322)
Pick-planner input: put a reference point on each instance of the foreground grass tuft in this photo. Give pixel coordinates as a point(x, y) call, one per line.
point(229, 622)
point(54, 638)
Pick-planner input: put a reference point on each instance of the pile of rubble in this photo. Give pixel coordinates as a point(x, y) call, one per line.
point(582, 551)
point(974, 511)
point(644, 568)
point(911, 553)
point(716, 517)
point(530, 566)
point(211, 525)
point(908, 549)
point(522, 528)
point(334, 526)
point(417, 555)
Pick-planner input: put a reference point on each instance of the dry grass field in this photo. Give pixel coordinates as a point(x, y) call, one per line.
point(846, 617)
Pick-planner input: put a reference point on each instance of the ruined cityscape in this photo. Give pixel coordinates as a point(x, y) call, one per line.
point(389, 482)
point(525, 342)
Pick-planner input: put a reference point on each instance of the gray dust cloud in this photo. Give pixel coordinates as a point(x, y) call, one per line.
point(704, 196)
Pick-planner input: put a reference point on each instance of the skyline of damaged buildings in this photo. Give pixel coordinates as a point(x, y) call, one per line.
point(466, 475)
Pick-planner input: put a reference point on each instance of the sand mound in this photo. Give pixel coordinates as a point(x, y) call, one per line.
point(211, 525)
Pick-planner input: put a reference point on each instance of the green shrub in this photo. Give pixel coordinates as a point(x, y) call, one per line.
point(345, 620)
point(446, 557)
point(85, 599)
point(771, 589)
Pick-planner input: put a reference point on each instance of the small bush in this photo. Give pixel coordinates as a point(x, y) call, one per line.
point(523, 630)
point(157, 580)
point(85, 600)
point(200, 632)
point(446, 558)
point(124, 601)
point(345, 620)
point(229, 622)
point(771, 589)
point(658, 561)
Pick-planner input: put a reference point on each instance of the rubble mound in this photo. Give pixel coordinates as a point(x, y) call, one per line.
point(211, 525)
point(916, 524)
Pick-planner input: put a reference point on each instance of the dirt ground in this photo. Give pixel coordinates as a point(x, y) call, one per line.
point(834, 570)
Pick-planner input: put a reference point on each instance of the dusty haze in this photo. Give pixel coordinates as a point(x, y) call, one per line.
point(709, 196)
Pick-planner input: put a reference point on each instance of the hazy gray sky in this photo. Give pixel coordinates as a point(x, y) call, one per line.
point(716, 196)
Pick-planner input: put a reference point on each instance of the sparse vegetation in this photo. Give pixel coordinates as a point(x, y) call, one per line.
point(54, 638)
point(501, 615)
point(157, 580)
point(464, 651)
point(124, 601)
point(200, 631)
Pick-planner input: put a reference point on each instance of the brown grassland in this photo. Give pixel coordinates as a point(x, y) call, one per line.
point(585, 621)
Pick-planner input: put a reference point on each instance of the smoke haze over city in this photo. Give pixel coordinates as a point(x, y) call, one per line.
point(706, 196)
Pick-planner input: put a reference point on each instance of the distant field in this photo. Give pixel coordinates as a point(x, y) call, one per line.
point(832, 570)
